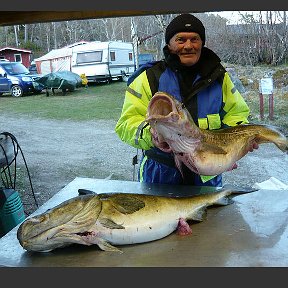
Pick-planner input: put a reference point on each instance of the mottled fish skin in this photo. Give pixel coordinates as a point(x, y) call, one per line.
point(115, 219)
point(205, 152)
point(38, 233)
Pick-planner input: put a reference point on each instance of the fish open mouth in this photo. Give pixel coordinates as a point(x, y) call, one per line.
point(162, 107)
point(165, 116)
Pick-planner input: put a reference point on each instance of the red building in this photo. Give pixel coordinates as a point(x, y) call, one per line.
point(16, 55)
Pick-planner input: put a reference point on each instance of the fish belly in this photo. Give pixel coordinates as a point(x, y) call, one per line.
point(212, 164)
point(137, 233)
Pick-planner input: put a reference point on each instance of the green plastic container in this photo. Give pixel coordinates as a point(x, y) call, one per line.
point(11, 210)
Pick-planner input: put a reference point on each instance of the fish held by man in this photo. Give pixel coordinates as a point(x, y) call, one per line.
point(116, 219)
point(205, 152)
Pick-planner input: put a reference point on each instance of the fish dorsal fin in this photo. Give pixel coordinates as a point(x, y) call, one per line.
point(213, 148)
point(126, 204)
point(108, 223)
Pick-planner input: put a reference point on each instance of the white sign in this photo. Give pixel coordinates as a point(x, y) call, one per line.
point(266, 86)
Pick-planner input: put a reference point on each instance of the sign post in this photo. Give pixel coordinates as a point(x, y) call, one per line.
point(271, 106)
point(266, 88)
point(261, 105)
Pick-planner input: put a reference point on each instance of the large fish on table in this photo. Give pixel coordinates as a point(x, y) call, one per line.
point(116, 219)
point(205, 152)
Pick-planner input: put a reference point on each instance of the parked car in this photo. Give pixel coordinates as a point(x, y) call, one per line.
point(23, 82)
point(5, 85)
point(32, 68)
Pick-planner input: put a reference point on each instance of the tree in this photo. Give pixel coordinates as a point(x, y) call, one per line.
point(260, 37)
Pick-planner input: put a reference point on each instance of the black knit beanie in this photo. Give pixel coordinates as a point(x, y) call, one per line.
point(185, 23)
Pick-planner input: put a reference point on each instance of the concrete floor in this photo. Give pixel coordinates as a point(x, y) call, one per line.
point(251, 232)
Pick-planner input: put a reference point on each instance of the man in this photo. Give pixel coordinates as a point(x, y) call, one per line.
point(192, 74)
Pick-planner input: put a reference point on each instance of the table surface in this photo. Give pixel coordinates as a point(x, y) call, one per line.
point(251, 232)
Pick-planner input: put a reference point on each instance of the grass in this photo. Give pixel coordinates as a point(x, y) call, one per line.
point(280, 103)
point(104, 101)
point(98, 101)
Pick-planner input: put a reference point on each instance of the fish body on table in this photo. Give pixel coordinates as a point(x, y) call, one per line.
point(116, 219)
point(205, 152)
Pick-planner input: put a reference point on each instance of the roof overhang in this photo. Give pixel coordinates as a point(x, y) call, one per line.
point(9, 18)
point(15, 49)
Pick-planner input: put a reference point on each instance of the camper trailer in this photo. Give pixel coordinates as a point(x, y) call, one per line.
point(99, 61)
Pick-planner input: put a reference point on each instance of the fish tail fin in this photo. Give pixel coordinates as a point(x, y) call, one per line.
point(283, 146)
point(282, 143)
point(275, 136)
point(235, 190)
point(231, 191)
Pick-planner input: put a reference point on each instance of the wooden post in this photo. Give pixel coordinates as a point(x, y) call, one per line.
point(271, 106)
point(261, 108)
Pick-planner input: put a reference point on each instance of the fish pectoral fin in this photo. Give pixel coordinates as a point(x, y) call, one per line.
point(127, 204)
point(92, 238)
point(108, 223)
point(178, 164)
point(213, 148)
point(199, 215)
point(105, 246)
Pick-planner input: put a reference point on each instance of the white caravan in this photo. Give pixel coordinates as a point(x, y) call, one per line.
point(99, 61)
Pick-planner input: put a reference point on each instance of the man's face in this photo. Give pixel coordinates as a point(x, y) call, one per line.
point(187, 45)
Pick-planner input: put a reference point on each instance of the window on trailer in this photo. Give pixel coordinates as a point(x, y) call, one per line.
point(112, 55)
point(88, 57)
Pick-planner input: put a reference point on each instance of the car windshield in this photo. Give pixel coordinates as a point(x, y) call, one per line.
point(15, 68)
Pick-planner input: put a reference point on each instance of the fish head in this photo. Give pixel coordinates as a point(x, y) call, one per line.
point(171, 122)
point(165, 107)
point(60, 226)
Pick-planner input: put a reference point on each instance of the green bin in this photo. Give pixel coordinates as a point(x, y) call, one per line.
point(11, 210)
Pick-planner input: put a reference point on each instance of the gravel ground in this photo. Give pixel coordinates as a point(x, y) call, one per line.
point(58, 151)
